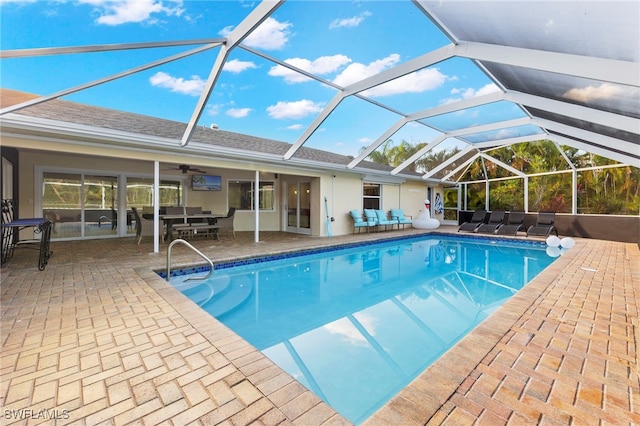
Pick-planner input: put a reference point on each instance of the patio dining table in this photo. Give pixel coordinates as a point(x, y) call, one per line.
point(176, 219)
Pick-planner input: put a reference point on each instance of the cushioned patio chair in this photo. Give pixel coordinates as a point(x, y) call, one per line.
point(371, 216)
point(476, 220)
point(144, 227)
point(515, 222)
point(401, 218)
point(225, 224)
point(383, 219)
point(496, 219)
point(544, 225)
point(195, 210)
point(359, 222)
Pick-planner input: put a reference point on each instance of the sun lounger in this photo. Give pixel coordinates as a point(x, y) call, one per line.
point(496, 219)
point(515, 221)
point(476, 220)
point(544, 225)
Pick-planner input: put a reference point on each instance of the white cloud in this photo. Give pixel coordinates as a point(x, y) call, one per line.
point(214, 109)
point(320, 66)
point(270, 35)
point(191, 87)
point(507, 133)
point(293, 110)
point(365, 141)
point(460, 94)
point(349, 22)
point(346, 331)
point(357, 71)
point(416, 82)
point(226, 31)
point(592, 93)
point(238, 112)
point(294, 127)
point(235, 66)
point(117, 12)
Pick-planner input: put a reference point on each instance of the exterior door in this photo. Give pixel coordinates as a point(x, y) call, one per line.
point(450, 198)
point(298, 207)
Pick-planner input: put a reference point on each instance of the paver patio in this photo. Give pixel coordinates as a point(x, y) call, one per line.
point(99, 338)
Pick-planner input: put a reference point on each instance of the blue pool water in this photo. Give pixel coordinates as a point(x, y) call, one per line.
point(356, 325)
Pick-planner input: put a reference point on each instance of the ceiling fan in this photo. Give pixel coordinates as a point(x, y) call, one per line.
point(185, 168)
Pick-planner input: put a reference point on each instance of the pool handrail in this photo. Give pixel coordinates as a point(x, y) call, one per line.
point(181, 241)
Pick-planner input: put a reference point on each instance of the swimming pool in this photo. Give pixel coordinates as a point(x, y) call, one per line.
point(357, 324)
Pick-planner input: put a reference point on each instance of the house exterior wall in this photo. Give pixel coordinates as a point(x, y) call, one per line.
point(343, 190)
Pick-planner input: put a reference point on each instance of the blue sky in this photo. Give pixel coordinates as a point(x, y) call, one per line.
point(341, 41)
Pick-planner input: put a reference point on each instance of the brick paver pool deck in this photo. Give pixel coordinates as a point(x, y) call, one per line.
point(99, 338)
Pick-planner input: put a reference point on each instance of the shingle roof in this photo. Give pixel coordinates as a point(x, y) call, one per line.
point(137, 124)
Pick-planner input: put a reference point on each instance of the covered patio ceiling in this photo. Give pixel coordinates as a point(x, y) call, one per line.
point(566, 71)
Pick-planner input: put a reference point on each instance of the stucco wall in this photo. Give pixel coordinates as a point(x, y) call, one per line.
point(343, 190)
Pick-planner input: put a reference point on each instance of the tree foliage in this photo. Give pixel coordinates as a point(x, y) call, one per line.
point(600, 189)
point(394, 155)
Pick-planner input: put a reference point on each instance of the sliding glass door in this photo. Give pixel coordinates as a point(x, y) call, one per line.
point(80, 205)
point(88, 205)
point(298, 207)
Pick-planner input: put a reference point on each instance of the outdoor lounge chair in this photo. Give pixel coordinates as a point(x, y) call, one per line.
point(495, 220)
point(359, 222)
point(514, 224)
point(544, 225)
point(383, 219)
point(476, 220)
point(398, 214)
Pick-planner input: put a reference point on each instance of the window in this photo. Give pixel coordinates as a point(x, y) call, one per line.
point(371, 195)
point(241, 195)
point(140, 192)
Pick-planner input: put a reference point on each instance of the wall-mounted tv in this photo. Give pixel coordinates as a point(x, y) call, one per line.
point(206, 183)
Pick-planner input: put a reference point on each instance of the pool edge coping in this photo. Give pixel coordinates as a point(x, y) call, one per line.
point(415, 402)
point(451, 369)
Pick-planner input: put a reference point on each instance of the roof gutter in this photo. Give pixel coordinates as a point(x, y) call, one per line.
point(17, 125)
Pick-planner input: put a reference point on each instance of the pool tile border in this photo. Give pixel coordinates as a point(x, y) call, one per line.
point(293, 254)
point(420, 399)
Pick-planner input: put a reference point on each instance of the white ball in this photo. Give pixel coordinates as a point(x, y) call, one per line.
point(553, 251)
point(553, 241)
point(567, 242)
